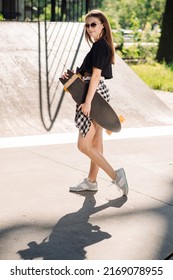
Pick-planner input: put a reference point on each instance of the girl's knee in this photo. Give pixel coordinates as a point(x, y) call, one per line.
point(85, 143)
point(83, 147)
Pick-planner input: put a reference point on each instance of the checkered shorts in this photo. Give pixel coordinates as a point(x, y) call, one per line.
point(83, 122)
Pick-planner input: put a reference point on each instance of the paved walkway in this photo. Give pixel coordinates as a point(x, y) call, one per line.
point(41, 219)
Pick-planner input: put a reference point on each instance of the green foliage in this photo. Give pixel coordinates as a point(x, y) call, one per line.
point(144, 19)
point(47, 12)
point(157, 76)
point(170, 66)
point(36, 3)
point(1, 17)
point(132, 52)
point(138, 51)
point(118, 39)
point(130, 13)
point(149, 34)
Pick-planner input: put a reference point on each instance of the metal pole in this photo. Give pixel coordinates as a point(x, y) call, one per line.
point(87, 6)
point(53, 10)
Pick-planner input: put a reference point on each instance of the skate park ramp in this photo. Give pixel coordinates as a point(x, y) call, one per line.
point(19, 91)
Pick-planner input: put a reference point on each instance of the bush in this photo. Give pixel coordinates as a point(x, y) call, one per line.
point(139, 51)
point(157, 76)
point(1, 17)
point(118, 39)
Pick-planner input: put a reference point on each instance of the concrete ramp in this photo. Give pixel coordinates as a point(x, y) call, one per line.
point(132, 98)
point(19, 91)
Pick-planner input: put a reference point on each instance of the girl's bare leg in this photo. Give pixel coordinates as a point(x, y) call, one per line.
point(98, 145)
point(91, 145)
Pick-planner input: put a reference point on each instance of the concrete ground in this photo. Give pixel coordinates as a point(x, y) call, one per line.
point(41, 219)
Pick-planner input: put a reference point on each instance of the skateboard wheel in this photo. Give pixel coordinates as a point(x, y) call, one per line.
point(121, 118)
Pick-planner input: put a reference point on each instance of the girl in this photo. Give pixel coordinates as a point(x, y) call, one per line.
point(96, 67)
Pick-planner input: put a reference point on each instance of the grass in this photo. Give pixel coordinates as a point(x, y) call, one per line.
point(155, 75)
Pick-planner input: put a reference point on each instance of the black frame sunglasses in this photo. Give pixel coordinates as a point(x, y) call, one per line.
point(92, 25)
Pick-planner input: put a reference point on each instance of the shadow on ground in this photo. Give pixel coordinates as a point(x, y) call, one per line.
point(72, 233)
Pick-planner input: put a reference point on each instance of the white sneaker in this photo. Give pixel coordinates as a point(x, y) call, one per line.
point(121, 181)
point(85, 185)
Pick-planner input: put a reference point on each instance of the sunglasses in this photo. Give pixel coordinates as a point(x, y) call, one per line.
point(92, 25)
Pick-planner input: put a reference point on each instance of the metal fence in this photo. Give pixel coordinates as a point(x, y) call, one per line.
point(59, 32)
point(53, 10)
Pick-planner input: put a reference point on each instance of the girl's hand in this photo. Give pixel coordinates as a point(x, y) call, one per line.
point(65, 76)
point(85, 108)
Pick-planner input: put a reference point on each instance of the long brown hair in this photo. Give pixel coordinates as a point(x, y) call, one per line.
point(106, 34)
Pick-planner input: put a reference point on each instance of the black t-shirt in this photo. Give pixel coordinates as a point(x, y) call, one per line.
point(100, 57)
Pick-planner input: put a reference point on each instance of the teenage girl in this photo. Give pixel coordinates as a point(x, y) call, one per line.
point(96, 66)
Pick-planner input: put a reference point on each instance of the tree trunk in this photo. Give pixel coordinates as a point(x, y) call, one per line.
point(165, 50)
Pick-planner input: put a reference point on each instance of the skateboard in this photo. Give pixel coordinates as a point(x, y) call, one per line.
point(101, 111)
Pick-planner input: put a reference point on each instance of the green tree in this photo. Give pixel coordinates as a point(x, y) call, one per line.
point(165, 50)
point(143, 10)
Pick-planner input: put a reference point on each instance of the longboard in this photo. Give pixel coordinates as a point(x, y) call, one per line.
point(101, 111)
